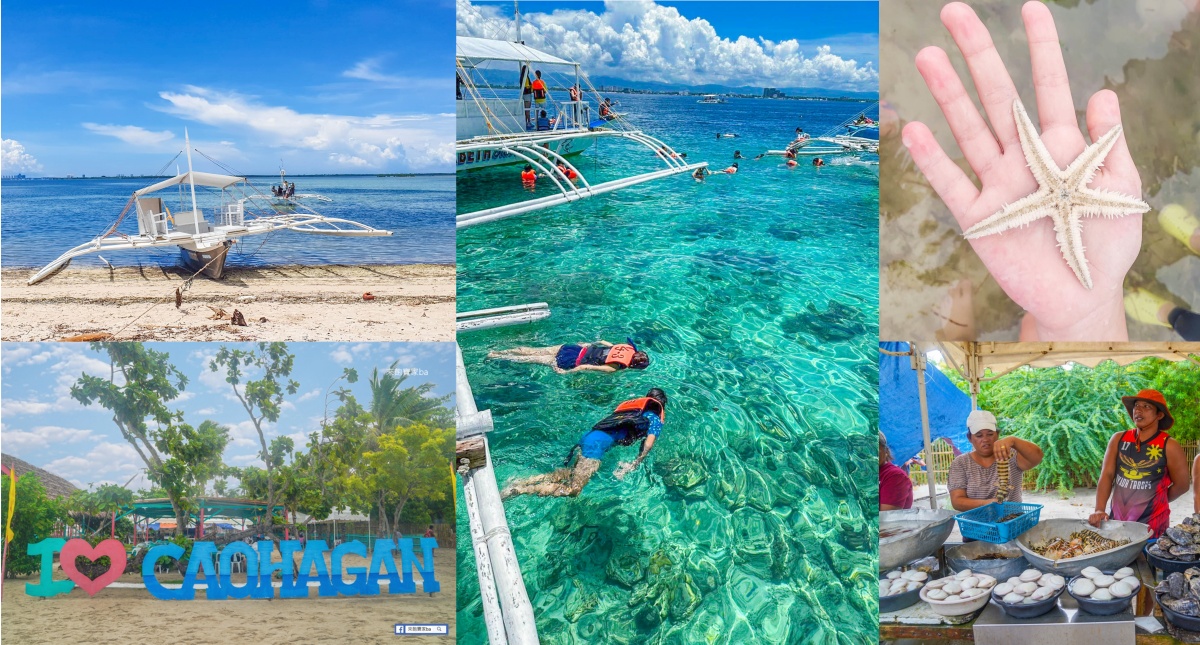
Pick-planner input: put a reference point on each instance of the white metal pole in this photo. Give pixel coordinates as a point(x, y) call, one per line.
point(918, 359)
point(187, 142)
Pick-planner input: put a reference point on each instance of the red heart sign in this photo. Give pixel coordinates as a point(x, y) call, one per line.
point(77, 547)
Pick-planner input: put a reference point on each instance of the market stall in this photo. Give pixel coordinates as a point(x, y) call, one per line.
point(1020, 579)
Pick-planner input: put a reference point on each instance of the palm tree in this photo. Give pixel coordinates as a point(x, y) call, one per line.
point(391, 405)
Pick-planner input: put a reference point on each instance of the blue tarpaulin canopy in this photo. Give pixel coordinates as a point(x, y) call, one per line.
point(900, 407)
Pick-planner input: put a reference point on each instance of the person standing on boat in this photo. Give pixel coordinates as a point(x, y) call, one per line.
point(1144, 468)
point(539, 89)
point(640, 418)
point(974, 480)
point(526, 94)
point(601, 356)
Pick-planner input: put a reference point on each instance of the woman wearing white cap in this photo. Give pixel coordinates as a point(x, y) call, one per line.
point(974, 480)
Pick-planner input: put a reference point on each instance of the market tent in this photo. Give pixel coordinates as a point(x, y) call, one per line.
point(900, 417)
point(971, 359)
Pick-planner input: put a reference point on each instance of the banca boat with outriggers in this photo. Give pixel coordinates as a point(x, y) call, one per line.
point(857, 135)
point(494, 127)
point(203, 244)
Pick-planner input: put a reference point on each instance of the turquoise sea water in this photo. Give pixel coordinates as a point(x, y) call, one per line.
point(754, 518)
point(45, 218)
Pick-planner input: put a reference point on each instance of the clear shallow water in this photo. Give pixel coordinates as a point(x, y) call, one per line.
point(45, 218)
point(754, 519)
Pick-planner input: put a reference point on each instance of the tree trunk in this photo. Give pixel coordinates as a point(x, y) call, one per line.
point(180, 518)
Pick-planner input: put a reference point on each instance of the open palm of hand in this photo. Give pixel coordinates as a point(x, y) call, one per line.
point(1027, 262)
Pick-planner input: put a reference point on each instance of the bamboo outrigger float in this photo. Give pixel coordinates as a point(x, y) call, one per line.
point(494, 131)
point(203, 244)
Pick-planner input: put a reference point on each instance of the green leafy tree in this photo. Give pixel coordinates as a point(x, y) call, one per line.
point(141, 381)
point(34, 520)
point(412, 461)
point(392, 405)
point(1069, 413)
point(263, 397)
point(1180, 384)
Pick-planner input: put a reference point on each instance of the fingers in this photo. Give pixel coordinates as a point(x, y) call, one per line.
point(950, 182)
point(1055, 107)
point(970, 130)
point(1104, 112)
point(992, 82)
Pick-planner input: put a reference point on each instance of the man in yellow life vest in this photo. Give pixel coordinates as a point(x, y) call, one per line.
point(640, 418)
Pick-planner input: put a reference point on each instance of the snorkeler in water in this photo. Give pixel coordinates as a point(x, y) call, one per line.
point(635, 419)
point(737, 154)
point(700, 173)
point(731, 170)
point(601, 356)
point(818, 162)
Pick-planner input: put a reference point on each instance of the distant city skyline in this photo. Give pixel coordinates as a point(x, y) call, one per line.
point(107, 89)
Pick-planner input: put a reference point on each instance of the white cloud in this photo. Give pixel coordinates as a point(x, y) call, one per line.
point(311, 394)
point(60, 366)
point(105, 463)
point(645, 41)
point(14, 158)
point(341, 355)
point(43, 436)
point(359, 141)
point(132, 134)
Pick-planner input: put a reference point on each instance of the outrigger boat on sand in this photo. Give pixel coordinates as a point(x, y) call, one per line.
point(496, 130)
point(203, 244)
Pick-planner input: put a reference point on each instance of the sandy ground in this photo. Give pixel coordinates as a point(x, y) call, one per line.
point(299, 303)
point(134, 616)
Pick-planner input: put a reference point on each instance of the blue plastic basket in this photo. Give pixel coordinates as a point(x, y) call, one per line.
point(982, 523)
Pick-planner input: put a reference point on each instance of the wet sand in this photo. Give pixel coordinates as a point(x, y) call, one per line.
point(134, 616)
point(413, 302)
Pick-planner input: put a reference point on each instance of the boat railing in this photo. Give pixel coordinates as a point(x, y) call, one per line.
point(232, 214)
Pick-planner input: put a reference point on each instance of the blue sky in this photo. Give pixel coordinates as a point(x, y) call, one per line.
point(833, 45)
point(43, 425)
point(340, 87)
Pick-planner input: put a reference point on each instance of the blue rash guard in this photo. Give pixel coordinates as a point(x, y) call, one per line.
point(595, 443)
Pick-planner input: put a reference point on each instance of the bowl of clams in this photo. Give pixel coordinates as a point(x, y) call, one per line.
point(963, 593)
point(900, 589)
point(1104, 593)
point(1030, 594)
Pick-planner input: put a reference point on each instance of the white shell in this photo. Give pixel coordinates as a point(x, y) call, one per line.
point(938, 584)
point(1013, 598)
point(1103, 581)
point(1091, 572)
point(1028, 601)
point(986, 582)
point(963, 575)
point(1014, 581)
point(1026, 588)
point(1030, 575)
point(1003, 589)
point(1132, 582)
point(936, 594)
point(912, 585)
point(970, 583)
point(1083, 587)
point(973, 593)
point(953, 587)
point(1120, 590)
point(918, 576)
point(1057, 583)
point(953, 598)
point(1102, 594)
point(884, 585)
point(1042, 593)
point(892, 575)
point(1123, 572)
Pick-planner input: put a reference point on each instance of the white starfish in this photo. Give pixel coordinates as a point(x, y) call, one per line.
point(1062, 195)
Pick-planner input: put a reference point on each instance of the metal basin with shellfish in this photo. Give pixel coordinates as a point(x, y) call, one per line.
point(1131, 535)
point(912, 534)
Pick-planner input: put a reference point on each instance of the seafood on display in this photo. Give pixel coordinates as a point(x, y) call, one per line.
point(1180, 592)
point(1181, 542)
point(898, 582)
point(963, 585)
point(1029, 587)
point(1097, 585)
point(1085, 542)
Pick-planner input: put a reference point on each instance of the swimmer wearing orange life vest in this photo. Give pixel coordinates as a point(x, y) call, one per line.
point(732, 170)
point(568, 171)
point(791, 163)
point(818, 162)
point(632, 420)
point(601, 356)
point(528, 176)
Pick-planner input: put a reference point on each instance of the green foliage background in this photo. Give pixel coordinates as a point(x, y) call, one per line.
point(1072, 413)
point(33, 522)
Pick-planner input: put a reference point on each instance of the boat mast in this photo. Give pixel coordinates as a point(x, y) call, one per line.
point(517, 8)
point(191, 180)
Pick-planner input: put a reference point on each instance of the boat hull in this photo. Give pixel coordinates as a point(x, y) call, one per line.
point(210, 263)
point(486, 158)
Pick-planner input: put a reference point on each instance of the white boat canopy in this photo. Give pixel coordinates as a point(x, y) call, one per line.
point(199, 178)
point(477, 49)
